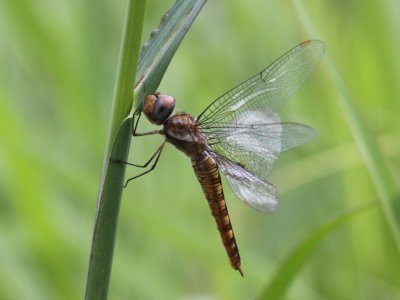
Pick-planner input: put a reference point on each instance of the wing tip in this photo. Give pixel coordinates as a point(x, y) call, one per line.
point(269, 207)
point(313, 42)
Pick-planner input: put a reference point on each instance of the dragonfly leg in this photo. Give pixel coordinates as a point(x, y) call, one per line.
point(155, 157)
point(136, 165)
point(135, 123)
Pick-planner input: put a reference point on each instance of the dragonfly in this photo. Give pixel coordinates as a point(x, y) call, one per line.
point(240, 134)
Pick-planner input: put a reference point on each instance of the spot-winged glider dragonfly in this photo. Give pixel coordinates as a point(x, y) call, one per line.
point(239, 133)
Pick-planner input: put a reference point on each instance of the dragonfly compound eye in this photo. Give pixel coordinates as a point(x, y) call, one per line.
point(158, 108)
point(163, 108)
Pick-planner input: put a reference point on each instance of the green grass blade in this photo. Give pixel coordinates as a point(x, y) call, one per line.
point(156, 54)
point(292, 263)
point(388, 191)
point(154, 60)
point(113, 175)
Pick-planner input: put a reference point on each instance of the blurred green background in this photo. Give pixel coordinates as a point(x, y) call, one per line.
point(58, 62)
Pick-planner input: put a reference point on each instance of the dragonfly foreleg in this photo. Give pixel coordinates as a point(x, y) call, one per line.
point(154, 158)
point(135, 123)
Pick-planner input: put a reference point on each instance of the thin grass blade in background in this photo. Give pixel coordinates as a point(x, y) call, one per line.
point(388, 191)
point(294, 261)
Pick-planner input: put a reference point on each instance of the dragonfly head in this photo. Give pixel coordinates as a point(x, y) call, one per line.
point(158, 107)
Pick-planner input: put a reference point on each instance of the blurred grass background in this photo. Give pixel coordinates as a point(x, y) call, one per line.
point(58, 62)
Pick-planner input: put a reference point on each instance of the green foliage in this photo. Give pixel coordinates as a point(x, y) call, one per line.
point(118, 142)
point(154, 58)
point(294, 261)
point(58, 63)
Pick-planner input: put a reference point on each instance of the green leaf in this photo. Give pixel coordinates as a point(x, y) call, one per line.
point(113, 175)
point(156, 54)
point(293, 262)
point(154, 60)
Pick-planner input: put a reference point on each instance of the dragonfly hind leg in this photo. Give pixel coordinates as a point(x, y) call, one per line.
point(154, 158)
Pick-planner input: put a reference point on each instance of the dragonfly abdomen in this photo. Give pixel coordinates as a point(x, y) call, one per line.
point(207, 173)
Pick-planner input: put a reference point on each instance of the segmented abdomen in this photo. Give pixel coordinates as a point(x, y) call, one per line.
point(207, 173)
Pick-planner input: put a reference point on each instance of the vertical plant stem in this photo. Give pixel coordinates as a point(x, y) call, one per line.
point(118, 142)
point(385, 185)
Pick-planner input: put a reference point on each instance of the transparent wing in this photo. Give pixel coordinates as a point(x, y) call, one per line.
point(243, 125)
point(256, 140)
point(270, 88)
point(253, 191)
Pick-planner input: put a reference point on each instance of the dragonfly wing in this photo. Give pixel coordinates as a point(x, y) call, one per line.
point(253, 191)
point(255, 140)
point(270, 88)
point(243, 124)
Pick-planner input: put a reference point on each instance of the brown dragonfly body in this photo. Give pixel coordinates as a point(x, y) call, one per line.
point(182, 131)
point(239, 134)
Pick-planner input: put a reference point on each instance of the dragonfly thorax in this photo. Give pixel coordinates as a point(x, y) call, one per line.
point(182, 131)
